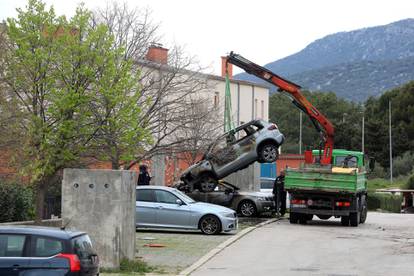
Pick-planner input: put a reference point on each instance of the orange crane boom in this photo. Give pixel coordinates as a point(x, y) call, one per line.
point(321, 123)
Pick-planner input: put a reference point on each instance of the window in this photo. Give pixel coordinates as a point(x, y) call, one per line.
point(346, 161)
point(83, 247)
point(262, 109)
point(12, 245)
point(255, 108)
point(146, 195)
point(46, 247)
point(216, 99)
point(165, 197)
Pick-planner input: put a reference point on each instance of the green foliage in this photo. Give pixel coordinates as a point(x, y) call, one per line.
point(403, 165)
point(132, 266)
point(410, 182)
point(74, 89)
point(385, 201)
point(16, 202)
point(381, 183)
point(377, 143)
point(345, 116)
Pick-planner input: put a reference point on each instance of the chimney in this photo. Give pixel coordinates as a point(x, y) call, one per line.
point(157, 53)
point(223, 68)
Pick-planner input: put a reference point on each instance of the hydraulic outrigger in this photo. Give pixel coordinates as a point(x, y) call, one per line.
point(321, 123)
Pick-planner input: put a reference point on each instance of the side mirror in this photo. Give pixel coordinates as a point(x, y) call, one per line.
point(179, 202)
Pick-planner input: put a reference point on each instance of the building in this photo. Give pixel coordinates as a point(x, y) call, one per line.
point(249, 101)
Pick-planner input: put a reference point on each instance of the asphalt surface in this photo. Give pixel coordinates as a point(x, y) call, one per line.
point(384, 245)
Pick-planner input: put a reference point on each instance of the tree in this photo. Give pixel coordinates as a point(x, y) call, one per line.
point(345, 116)
point(56, 70)
point(166, 89)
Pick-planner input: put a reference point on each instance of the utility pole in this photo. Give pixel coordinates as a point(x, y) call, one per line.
point(300, 132)
point(389, 110)
point(363, 133)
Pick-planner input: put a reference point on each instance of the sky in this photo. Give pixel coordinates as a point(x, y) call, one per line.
point(262, 30)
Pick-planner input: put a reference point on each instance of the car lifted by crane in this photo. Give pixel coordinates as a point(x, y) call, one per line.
point(330, 182)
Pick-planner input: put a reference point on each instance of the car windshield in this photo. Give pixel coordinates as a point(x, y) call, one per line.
point(186, 198)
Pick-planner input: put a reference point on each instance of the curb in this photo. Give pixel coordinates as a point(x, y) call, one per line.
point(222, 246)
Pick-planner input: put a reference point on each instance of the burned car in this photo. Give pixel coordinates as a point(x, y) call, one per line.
point(247, 204)
point(257, 140)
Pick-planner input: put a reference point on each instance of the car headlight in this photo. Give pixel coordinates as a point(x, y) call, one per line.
point(262, 198)
point(228, 215)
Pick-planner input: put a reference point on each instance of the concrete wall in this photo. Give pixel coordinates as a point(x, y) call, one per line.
point(102, 203)
point(247, 179)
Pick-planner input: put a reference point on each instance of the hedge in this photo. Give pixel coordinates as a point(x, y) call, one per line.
point(16, 202)
point(385, 201)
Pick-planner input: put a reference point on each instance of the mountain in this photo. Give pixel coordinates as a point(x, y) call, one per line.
point(355, 64)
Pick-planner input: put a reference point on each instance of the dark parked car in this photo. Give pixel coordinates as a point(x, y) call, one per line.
point(248, 204)
point(257, 140)
point(42, 251)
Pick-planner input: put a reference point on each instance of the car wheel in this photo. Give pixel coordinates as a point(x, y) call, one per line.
point(207, 183)
point(210, 225)
point(247, 208)
point(268, 153)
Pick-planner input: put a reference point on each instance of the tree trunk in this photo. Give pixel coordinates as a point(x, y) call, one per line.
point(40, 201)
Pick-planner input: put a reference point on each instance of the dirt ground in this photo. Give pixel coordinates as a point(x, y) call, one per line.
point(182, 248)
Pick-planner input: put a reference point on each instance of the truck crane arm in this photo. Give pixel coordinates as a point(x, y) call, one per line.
point(321, 123)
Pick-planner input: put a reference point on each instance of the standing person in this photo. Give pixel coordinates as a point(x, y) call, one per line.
point(280, 193)
point(144, 177)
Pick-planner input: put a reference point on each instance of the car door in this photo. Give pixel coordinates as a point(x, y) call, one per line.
point(169, 213)
point(43, 260)
point(246, 146)
point(223, 155)
point(13, 260)
point(145, 208)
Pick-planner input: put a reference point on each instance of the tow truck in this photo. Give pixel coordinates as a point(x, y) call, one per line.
point(330, 182)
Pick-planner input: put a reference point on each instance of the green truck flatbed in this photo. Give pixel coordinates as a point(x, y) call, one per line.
point(318, 179)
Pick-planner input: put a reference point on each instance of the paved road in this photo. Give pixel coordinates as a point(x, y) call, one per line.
point(384, 245)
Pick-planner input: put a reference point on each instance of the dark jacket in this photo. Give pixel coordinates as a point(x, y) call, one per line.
point(143, 178)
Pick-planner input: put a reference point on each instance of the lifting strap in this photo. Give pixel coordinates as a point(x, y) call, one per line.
point(228, 120)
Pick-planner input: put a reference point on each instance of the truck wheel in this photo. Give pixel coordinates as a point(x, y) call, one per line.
point(309, 217)
point(354, 219)
point(364, 211)
point(303, 218)
point(345, 221)
point(293, 218)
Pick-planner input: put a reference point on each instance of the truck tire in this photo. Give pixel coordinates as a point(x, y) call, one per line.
point(364, 211)
point(354, 219)
point(345, 221)
point(303, 218)
point(293, 218)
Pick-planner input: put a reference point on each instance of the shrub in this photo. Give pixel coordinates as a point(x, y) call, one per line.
point(385, 201)
point(16, 202)
point(403, 165)
point(410, 182)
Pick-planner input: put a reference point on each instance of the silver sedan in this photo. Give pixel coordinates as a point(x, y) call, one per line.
point(165, 207)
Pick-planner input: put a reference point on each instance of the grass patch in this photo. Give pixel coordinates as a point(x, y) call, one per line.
point(132, 267)
point(381, 183)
